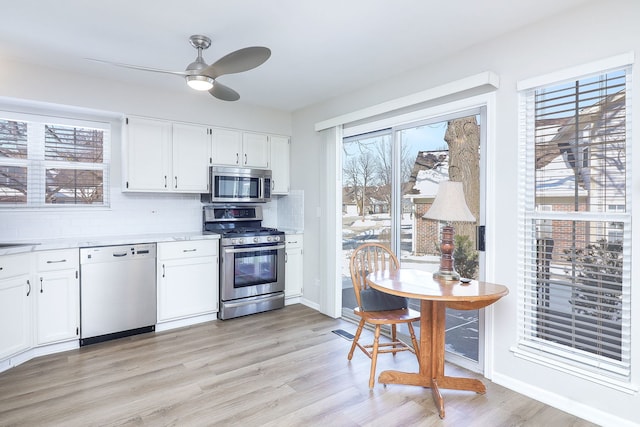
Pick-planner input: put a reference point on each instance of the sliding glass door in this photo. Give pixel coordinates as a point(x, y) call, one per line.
point(389, 180)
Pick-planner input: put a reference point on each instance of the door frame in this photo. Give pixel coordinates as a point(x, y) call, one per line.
point(332, 296)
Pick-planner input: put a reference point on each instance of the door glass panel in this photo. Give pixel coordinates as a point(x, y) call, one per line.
point(446, 150)
point(366, 200)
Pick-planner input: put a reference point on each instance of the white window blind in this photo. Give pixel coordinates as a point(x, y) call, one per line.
point(47, 161)
point(13, 162)
point(576, 223)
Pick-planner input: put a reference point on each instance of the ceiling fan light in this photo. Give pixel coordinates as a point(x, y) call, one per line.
point(200, 82)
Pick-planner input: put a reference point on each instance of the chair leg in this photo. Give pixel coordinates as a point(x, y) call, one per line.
point(394, 337)
point(414, 341)
point(374, 356)
point(356, 338)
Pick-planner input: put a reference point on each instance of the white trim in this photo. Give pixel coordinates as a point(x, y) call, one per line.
point(564, 403)
point(575, 72)
point(487, 78)
point(330, 279)
point(436, 112)
point(575, 371)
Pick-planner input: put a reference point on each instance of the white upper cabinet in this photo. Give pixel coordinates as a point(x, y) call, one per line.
point(242, 149)
point(255, 150)
point(164, 156)
point(147, 155)
point(279, 164)
point(159, 155)
point(226, 147)
point(191, 153)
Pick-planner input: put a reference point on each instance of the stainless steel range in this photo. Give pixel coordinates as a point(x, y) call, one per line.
point(252, 260)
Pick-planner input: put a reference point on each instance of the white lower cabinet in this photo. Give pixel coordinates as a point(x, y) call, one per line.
point(279, 164)
point(57, 295)
point(293, 268)
point(16, 293)
point(187, 278)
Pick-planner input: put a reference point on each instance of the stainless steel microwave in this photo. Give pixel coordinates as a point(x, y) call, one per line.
point(238, 185)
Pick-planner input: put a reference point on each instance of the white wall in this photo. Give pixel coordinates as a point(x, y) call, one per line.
point(594, 31)
point(130, 213)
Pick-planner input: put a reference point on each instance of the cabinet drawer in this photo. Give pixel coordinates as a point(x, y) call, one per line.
point(14, 265)
point(57, 260)
point(187, 249)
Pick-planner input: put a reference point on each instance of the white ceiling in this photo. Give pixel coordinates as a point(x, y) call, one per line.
point(320, 49)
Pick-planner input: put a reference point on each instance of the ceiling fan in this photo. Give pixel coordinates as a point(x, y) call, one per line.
point(201, 76)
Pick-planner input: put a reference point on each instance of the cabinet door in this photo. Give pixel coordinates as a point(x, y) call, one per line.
point(57, 306)
point(293, 267)
point(16, 293)
point(256, 151)
point(187, 287)
point(226, 147)
point(279, 164)
point(191, 153)
point(147, 154)
point(15, 315)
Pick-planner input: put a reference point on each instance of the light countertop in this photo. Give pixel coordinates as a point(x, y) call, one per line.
point(32, 245)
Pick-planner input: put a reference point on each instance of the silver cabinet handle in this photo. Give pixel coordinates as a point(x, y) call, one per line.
point(28, 284)
point(56, 262)
point(176, 178)
point(165, 181)
point(189, 250)
point(237, 158)
point(163, 270)
point(245, 158)
point(41, 291)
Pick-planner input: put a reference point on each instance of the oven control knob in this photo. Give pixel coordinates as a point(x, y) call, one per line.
point(241, 241)
point(276, 238)
point(234, 241)
point(256, 239)
point(269, 238)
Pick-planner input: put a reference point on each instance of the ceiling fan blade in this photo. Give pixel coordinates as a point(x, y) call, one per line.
point(138, 67)
point(236, 62)
point(223, 92)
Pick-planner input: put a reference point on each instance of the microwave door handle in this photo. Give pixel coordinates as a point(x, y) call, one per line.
point(260, 188)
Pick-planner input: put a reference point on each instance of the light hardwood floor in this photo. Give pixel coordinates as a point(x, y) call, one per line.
point(282, 368)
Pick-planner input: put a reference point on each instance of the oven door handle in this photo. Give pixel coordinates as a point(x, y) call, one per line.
point(252, 249)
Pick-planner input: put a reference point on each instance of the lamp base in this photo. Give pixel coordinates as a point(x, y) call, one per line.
point(447, 275)
point(447, 270)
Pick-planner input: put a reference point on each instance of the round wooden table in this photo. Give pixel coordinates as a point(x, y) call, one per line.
point(435, 296)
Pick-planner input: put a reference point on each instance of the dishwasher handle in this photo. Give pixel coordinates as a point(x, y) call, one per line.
point(119, 254)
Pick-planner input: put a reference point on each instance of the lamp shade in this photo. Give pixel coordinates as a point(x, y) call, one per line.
point(449, 204)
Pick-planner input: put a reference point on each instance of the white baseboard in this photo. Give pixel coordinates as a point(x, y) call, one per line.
point(310, 304)
point(563, 403)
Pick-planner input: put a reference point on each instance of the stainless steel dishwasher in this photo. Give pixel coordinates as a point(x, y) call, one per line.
point(117, 291)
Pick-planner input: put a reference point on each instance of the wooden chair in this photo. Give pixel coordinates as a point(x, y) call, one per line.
point(369, 258)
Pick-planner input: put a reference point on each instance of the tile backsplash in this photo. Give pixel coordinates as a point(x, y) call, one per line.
point(135, 214)
point(291, 211)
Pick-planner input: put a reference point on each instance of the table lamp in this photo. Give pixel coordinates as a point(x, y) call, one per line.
point(449, 206)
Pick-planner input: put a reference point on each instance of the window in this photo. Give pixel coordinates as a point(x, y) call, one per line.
point(575, 214)
point(47, 161)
